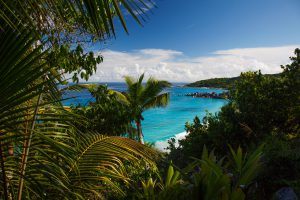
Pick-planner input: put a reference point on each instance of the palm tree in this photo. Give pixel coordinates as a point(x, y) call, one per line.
point(141, 97)
point(50, 158)
point(42, 154)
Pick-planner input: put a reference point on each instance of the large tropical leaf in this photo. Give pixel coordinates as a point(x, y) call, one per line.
point(24, 75)
point(247, 166)
point(53, 18)
point(42, 155)
point(160, 100)
point(169, 187)
point(27, 89)
point(100, 158)
point(152, 95)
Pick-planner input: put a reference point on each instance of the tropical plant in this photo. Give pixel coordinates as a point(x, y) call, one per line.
point(262, 109)
point(107, 114)
point(72, 21)
point(227, 178)
point(140, 97)
point(42, 154)
point(66, 26)
point(169, 187)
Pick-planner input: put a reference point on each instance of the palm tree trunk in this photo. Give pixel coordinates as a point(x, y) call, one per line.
point(139, 130)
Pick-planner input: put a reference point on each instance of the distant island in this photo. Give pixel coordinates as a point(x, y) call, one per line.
point(224, 83)
point(214, 83)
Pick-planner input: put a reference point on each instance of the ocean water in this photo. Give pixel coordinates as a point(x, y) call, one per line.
point(161, 124)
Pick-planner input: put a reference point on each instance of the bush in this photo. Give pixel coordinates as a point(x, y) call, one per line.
point(263, 109)
point(210, 177)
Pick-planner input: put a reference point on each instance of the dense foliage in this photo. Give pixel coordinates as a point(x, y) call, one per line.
point(225, 83)
point(107, 114)
point(43, 155)
point(48, 152)
point(228, 178)
point(214, 83)
point(263, 109)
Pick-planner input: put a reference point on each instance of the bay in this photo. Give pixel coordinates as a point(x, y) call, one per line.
point(160, 124)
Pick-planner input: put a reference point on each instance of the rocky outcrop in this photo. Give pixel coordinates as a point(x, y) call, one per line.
point(285, 193)
point(213, 95)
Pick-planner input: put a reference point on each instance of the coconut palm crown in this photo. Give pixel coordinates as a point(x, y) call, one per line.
point(141, 97)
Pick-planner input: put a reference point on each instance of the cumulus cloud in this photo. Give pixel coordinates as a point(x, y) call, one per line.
point(175, 66)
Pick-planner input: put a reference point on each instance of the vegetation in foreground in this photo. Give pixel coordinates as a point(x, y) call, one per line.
point(254, 137)
point(43, 153)
point(262, 110)
point(247, 151)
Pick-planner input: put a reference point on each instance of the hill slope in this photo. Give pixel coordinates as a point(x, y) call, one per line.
point(219, 82)
point(214, 82)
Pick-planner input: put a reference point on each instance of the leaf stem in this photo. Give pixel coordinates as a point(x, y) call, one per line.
point(27, 147)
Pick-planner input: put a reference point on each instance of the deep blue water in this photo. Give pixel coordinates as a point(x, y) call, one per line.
point(161, 124)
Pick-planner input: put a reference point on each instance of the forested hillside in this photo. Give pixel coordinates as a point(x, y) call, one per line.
point(225, 83)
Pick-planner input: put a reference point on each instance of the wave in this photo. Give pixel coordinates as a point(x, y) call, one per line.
point(163, 144)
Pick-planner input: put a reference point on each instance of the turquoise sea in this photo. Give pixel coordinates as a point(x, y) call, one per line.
point(161, 124)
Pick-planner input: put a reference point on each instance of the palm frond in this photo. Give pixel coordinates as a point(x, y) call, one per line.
point(134, 90)
point(121, 96)
point(161, 100)
point(59, 155)
point(152, 93)
point(129, 80)
point(246, 166)
point(48, 158)
point(63, 162)
point(100, 159)
point(88, 16)
point(140, 79)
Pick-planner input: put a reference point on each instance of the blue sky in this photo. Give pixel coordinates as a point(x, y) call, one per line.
point(202, 26)
point(186, 32)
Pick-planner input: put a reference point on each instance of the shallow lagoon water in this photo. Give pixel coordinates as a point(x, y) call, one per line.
point(160, 124)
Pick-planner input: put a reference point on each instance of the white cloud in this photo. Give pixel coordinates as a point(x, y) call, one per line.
point(175, 66)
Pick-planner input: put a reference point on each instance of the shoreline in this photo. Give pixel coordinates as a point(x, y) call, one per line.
point(162, 144)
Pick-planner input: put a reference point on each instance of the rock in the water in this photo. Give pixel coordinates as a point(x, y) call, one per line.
point(286, 193)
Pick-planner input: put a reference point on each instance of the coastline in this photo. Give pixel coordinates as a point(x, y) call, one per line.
point(162, 144)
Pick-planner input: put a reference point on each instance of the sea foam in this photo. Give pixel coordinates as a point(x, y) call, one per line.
point(163, 144)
